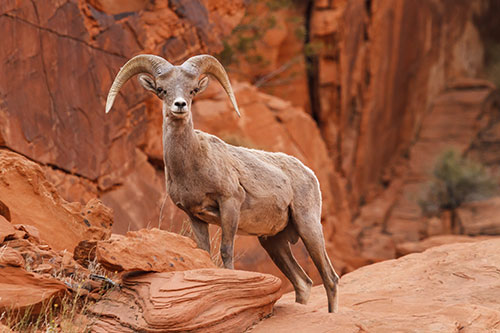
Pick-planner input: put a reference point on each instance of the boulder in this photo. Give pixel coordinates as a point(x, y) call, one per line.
point(10, 257)
point(448, 288)
point(151, 250)
point(202, 300)
point(21, 290)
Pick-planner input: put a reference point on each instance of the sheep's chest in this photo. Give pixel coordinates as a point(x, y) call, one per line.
point(194, 201)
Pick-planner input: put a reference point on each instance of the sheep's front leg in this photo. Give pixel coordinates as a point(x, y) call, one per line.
point(229, 214)
point(200, 230)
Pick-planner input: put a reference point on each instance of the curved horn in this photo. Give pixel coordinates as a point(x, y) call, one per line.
point(143, 63)
point(206, 64)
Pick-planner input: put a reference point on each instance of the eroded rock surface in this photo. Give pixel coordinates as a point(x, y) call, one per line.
point(6, 229)
point(480, 218)
point(203, 300)
point(420, 246)
point(151, 250)
point(33, 201)
point(33, 276)
point(445, 289)
point(22, 290)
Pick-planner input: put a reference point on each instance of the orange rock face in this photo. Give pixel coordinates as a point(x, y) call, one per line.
point(446, 288)
point(387, 84)
point(6, 229)
point(203, 300)
point(413, 247)
point(20, 290)
point(480, 218)
point(11, 257)
point(450, 123)
point(391, 60)
point(151, 250)
point(33, 201)
point(73, 50)
point(267, 49)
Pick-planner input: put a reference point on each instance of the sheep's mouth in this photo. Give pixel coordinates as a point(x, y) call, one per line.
point(179, 113)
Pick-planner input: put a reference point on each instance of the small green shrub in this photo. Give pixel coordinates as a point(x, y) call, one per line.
point(243, 43)
point(456, 180)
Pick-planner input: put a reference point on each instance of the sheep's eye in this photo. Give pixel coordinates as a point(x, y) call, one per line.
point(194, 91)
point(159, 90)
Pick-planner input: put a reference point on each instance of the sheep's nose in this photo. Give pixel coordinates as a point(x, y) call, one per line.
point(180, 104)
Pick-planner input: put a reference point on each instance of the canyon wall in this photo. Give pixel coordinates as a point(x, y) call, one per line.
point(366, 93)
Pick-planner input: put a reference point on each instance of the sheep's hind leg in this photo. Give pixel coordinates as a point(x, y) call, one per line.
point(311, 233)
point(278, 248)
point(200, 230)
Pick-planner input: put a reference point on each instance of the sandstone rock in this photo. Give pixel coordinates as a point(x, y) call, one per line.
point(34, 203)
point(271, 53)
point(39, 257)
point(325, 22)
point(451, 122)
point(413, 247)
point(371, 91)
point(439, 225)
point(376, 245)
point(85, 252)
point(102, 42)
point(6, 229)
point(29, 231)
point(86, 153)
point(10, 257)
point(138, 201)
point(4, 211)
point(95, 213)
point(116, 7)
point(21, 290)
point(152, 250)
point(444, 289)
point(72, 188)
point(202, 300)
point(480, 217)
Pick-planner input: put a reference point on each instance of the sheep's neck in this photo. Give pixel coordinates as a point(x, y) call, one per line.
point(179, 144)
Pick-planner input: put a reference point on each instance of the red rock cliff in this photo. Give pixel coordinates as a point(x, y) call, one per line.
point(378, 76)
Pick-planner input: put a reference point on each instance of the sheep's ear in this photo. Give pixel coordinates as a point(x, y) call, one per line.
point(147, 82)
point(203, 84)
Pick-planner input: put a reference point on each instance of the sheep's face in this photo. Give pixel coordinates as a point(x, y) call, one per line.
point(176, 88)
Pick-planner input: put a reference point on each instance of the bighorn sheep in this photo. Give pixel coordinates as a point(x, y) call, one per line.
point(269, 195)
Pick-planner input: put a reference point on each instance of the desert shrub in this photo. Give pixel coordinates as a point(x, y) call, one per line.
point(244, 41)
point(456, 180)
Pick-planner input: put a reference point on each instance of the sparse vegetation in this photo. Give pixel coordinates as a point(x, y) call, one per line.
point(456, 180)
point(245, 40)
point(69, 313)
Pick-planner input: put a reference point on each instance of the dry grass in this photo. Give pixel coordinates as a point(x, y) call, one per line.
point(67, 314)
